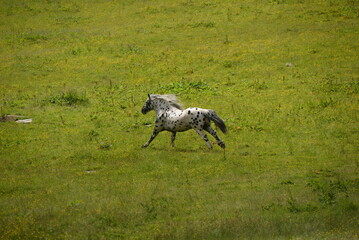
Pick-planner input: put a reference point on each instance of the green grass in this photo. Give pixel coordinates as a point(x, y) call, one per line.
point(283, 74)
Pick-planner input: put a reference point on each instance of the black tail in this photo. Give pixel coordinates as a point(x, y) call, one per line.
point(212, 115)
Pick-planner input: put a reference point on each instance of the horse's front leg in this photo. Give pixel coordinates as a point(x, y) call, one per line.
point(204, 136)
point(154, 134)
point(173, 138)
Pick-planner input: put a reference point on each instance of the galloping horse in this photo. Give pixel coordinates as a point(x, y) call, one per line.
point(172, 118)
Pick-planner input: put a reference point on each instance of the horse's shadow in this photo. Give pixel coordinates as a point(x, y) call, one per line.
point(185, 150)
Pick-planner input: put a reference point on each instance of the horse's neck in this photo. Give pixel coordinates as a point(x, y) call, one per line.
point(162, 107)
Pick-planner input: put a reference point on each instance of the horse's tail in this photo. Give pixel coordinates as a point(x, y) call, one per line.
point(212, 115)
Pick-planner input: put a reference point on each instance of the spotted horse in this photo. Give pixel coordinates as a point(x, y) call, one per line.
point(171, 117)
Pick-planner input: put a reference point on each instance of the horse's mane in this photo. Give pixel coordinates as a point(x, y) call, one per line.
point(171, 99)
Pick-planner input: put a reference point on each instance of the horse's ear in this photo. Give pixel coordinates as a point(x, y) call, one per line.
point(149, 97)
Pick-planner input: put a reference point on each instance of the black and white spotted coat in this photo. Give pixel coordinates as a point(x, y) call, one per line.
point(170, 117)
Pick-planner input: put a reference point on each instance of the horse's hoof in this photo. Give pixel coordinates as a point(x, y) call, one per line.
point(222, 145)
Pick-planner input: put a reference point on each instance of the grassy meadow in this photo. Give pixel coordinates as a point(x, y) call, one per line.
point(283, 74)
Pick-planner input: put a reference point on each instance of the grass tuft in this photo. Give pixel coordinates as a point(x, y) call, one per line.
point(69, 98)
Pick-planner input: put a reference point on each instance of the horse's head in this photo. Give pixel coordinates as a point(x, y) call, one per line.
point(148, 105)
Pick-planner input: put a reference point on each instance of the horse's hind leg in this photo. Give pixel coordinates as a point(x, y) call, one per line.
point(214, 134)
point(204, 136)
point(173, 138)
